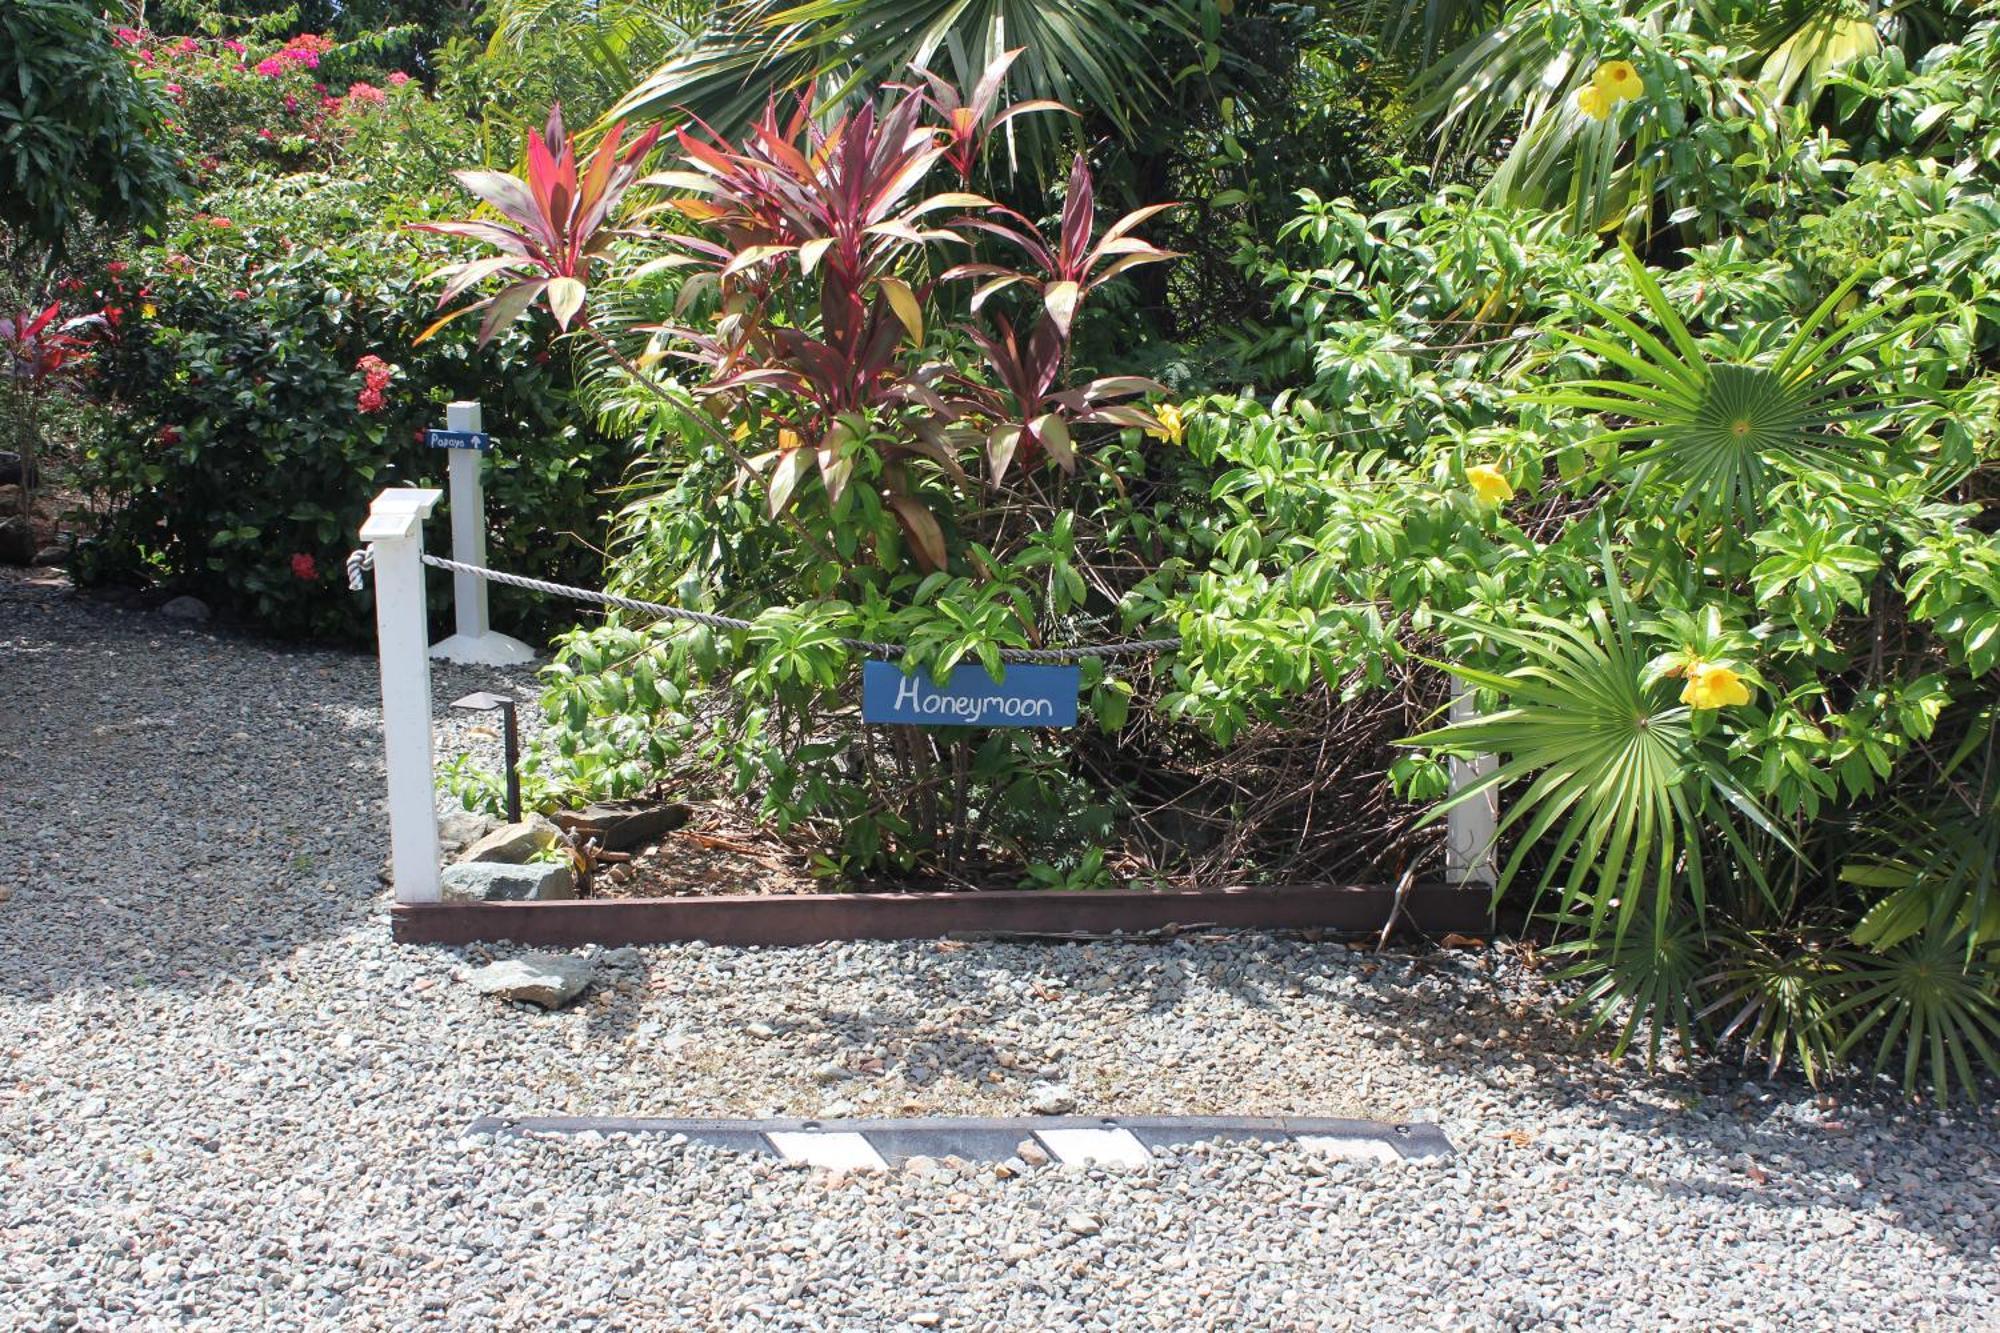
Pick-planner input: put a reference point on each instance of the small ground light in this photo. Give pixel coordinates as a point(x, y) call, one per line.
point(485, 701)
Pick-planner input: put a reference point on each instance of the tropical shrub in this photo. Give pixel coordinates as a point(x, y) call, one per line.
point(265, 365)
point(80, 138)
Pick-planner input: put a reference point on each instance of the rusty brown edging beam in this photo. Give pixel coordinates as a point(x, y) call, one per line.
point(811, 918)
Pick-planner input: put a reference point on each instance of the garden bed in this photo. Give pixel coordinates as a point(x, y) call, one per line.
point(811, 918)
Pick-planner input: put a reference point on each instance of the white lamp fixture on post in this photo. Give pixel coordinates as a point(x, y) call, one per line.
point(395, 533)
point(475, 643)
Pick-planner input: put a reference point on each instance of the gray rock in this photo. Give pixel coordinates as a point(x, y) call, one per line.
point(513, 843)
point(17, 541)
point(500, 882)
point(1082, 1224)
point(1051, 1099)
point(619, 826)
point(52, 556)
point(551, 980)
point(191, 609)
point(460, 828)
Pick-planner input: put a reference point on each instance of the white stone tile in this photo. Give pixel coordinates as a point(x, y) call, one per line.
point(1109, 1147)
point(850, 1152)
point(1350, 1150)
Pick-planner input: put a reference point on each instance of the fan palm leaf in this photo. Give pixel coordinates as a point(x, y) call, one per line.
point(1095, 56)
point(1719, 425)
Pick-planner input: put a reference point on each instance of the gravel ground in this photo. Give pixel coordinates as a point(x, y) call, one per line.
point(228, 1101)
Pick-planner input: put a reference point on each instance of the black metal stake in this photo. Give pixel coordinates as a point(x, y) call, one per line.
point(511, 740)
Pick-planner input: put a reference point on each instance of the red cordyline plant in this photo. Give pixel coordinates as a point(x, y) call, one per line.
point(969, 122)
point(813, 239)
point(561, 227)
point(1034, 408)
point(806, 226)
point(35, 347)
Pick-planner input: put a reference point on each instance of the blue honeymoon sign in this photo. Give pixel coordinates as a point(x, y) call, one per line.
point(1030, 696)
point(459, 439)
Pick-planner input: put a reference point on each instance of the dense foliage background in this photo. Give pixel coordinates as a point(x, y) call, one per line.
point(1630, 363)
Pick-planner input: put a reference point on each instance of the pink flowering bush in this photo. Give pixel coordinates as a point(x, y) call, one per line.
point(238, 109)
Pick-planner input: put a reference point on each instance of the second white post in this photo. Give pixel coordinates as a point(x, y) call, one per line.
point(475, 642)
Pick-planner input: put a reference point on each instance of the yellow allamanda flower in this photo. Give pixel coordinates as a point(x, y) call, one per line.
point(1593, 101)
point(1620, 80)
point(1489, 483)
point(1172, 424)
point(1712, 685)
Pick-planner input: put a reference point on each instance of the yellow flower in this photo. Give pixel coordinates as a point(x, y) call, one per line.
point(1710, 685)
point(1172, 424)
point(148, 310)
point(1489, 483)
point(1593, 101)
point(1619, 80)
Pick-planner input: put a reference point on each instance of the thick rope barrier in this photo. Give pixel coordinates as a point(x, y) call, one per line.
point(364, 559)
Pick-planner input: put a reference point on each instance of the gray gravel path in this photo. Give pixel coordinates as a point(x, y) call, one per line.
point(227, 1101)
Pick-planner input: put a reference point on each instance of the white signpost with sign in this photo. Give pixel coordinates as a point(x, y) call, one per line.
point(475, 643)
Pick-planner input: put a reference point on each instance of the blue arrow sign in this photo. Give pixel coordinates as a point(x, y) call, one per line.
point(1031, 696)
point(459, 439)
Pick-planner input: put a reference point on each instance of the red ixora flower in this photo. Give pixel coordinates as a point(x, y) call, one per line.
point(170, 435)
point(369, 401)
point(304, 567)
point(220, 222)
point(375, 371)
point(398, 79)
point(116, 266)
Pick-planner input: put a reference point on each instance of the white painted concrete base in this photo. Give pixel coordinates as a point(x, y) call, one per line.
point(488, 649)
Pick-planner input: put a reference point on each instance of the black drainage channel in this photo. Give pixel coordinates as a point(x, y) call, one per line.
point(1101, 1140)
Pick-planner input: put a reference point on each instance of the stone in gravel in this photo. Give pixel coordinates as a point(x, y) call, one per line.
point(191, 609)
point(514, 844)
point(1082, 1224)
point(50, 557)
point(497, 882)
point(461, 828)
point(921, 1166)
point(17, 541)
point(1051, 1099)
point(621, 826)
point(551, 980)
point(1031, 1152)
point(761, 1031)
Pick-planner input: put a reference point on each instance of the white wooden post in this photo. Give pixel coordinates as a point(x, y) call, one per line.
point(395, 533)
point(475, 642)
point(1470, 858)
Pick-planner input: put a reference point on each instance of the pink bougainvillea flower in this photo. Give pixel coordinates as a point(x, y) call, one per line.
point(146, 56)
point(398, 79)
point(186, 46)
point(291, 102)
point(126, 36)
point(304, 566)
point(263, 134)
point(173, 90)
point(239, 295)
point(231, 45)
point(365, 92)
point(271, 67)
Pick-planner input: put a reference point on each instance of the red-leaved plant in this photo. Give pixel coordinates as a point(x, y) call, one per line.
point(561, 227)
point(1033, 409)
point(35, 347)
point(813, 238)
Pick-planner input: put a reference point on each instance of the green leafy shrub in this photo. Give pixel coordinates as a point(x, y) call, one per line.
point(255, 446)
